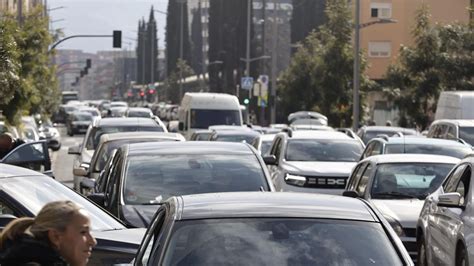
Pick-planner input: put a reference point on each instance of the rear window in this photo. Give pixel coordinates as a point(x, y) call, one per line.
point(97, 132)
point(152, 179)
point(279, 241)
point(325, 150)
point(467, 134)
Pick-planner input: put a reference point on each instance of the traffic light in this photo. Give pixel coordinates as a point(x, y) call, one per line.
point(117, 36)
point(88, 63)
point(83, 73)
point(246, 101)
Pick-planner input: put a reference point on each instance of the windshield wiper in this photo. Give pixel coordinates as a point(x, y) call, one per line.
point(394, 194)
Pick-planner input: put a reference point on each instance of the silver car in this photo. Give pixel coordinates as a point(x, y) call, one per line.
point(397, 185)
point(445, 229)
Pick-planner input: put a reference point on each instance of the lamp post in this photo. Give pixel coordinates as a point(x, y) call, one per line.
point(181, 34)
point(356, 78)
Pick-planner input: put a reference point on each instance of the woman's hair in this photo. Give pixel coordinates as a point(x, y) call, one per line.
point(54, 215)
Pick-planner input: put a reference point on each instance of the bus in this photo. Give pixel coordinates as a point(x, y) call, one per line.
point(69, 96)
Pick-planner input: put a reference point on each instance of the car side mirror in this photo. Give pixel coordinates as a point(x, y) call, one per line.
point(181, 126)
point(270, 160)
point(97, 198)
point(74, 150)
point(450, 200)
point(351, 194)
point(6, 219)
point(80, 171)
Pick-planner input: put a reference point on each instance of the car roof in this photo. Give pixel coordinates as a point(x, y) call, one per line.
point(227, 132)
point(139, 109)
point(458, 122)
point(281, 204)
point(189, 147)
point(7, 170)
point(125, 121)
point(389, 129)
point(267, 137)
point(318, 134)
point(412, 158)
point(140, 135)
point(427, 141)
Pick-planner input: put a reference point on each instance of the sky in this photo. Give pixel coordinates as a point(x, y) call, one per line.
point(102, 17)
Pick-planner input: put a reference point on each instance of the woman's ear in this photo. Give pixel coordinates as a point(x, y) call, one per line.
point(55, 238)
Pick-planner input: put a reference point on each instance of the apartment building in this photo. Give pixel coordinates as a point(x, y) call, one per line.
point(382, 42)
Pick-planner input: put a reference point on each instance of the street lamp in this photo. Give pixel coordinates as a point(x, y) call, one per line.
point(356, 78)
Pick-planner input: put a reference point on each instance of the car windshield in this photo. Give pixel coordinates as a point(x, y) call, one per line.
point(467, 134)
point(201, 118)
point(323, 150)
point(98, 132)
point(152, 179)
point(458, 151)
point(35, 191)
point(236, 138)
point(82, 117)
point(108, 147)
point(408, 180)
point(139, 114)
point(279, 241)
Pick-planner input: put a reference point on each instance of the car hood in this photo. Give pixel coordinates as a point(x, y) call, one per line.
point(315, 168)
point(139, 215)
point(405, 211)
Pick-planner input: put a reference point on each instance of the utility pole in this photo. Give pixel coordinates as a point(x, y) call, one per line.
point(355, 92)
point(181, 36)
point(274, 62)
point(152, 64)
point(247, 52)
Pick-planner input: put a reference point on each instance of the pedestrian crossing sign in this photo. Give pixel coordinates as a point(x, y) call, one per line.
point(246, 83)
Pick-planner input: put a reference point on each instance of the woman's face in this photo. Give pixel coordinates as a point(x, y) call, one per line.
point(76, 242)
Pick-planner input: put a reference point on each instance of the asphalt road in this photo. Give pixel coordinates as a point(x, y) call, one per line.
point(61, 161)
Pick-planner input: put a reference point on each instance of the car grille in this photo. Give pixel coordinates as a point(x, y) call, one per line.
point(335, 182)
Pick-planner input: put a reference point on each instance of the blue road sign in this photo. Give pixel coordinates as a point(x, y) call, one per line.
point(246, 83)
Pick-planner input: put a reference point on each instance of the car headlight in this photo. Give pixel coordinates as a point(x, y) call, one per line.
point(396, 226)
point(295, 180)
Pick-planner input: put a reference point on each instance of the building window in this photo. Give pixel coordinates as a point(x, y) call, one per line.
point(380, 49)
point(381, 10)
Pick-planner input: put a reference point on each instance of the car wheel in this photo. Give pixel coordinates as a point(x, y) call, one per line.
point(461, 257)
point(422, 260)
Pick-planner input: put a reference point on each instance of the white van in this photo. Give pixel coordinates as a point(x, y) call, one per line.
point(201, 110)
point(455, 105)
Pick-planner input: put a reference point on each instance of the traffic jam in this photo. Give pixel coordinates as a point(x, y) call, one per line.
point(197, 184)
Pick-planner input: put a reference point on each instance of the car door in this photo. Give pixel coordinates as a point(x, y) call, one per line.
point(276, 171)
point(148, 251)
point(445, 221)
point(31, 155)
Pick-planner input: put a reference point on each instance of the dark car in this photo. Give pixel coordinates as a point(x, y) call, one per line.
point(63, 112)
point(99, 127)
point(234, 135)
point(78, 122)
point(24, 192)
point(369, 132)
point(200, 135)
point(143, 175)
point(386, 145)
point(258, 228)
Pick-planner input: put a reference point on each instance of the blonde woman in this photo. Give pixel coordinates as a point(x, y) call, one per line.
point(59, 235)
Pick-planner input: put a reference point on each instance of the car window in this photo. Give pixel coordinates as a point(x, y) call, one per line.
point(452, 181)
point(277, 148)
point(467, 134)
point(377, 148)
point(104, 175)
point(154, 178)
point(408, 180)
point(275, 241)
point(463, 185)
point(327, 150)
point(451, 134)
point(356, 175)
point(6, 209)
point(114, 183)
point(364, 180)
